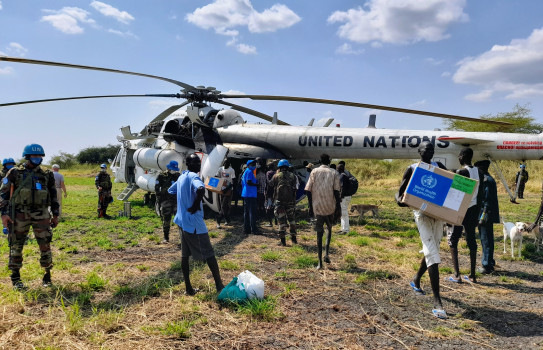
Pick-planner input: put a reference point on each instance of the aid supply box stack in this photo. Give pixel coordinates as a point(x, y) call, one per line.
point(214, 184)
point(439, 193)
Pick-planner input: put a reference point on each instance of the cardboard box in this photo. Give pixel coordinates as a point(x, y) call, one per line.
point(439, 193)
point(214, 184)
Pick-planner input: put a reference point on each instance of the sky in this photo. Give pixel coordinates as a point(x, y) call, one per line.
point(462, 57)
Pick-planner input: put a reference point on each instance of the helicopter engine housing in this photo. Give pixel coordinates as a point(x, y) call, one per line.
point(157, 159)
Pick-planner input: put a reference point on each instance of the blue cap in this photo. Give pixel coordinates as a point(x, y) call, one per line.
point(173, 165)
point(33, 150)
point(522, 166)
point(283, 162)
point(7, 161)
point(251, 161)
point(103, 166)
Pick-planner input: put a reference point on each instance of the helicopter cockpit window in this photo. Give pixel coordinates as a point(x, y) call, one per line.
point(210, 117)
point(172, 127)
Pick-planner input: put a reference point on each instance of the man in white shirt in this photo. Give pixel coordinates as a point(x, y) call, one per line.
point(59, 184)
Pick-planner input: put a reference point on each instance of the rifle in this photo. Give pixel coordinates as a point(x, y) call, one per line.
point(12, 217)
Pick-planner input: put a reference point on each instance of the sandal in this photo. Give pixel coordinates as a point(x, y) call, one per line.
point(453, 279)
point(469, 279)
point(417, 290)
point(440, 313)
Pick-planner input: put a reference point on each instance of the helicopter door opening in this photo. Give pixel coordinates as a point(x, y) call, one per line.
point(117, 166)
point(210, 168)
point(130, 167)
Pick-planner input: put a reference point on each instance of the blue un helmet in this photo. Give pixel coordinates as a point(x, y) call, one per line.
point(8, 161)
point(103, 166)
point(33, 150)
point(173, 165)
point(283, 162)
point(522, 166)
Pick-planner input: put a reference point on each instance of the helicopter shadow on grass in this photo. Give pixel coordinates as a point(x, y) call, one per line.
point(502, 322)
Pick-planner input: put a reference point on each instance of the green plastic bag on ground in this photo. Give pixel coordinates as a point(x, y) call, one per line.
point(232, 292)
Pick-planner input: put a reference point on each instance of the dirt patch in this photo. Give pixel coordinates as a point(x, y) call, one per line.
point(329, 309)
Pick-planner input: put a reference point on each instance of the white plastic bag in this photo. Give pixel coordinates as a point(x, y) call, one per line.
point(254, 286)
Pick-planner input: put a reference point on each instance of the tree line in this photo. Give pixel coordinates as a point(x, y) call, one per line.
point(89, 155)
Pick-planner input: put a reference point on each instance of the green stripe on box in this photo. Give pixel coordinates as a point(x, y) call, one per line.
point(464, 184)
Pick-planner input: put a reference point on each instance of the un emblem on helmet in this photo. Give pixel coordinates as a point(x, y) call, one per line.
point(428, 181)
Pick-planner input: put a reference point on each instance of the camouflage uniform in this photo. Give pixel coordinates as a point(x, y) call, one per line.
point(104, 195)
point(284, 189)
point(3, 173)
point(32, 192)
point(167, 202)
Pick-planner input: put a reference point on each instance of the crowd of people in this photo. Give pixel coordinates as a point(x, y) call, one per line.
point(31, 197)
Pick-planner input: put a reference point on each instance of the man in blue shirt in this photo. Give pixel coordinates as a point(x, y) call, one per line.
point(190, 218)
point(249, 185)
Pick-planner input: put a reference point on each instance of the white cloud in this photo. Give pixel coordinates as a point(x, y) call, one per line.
point(6, 70)
point(246, 49)
point(399, 22)
point(0, 5)
point(277, 17)
point(234, 92)
point(484, 95)
point(445, 74)
point(225, 16)
point(123, 34)
point(515, 70)
point(433, 61)
point(347, 49)
point(110, 11)
point(68, 19)
point(418, 103)
point(16, 49)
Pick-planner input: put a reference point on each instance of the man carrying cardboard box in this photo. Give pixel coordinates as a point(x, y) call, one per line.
point(430, 231)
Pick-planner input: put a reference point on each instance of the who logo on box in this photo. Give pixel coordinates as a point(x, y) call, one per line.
point(428, 181)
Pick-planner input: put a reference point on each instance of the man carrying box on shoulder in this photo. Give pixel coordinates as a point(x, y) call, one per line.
point(431, 232)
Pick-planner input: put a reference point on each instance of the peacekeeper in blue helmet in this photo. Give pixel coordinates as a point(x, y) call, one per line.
point(283, 187)
point(103, 184)
point(27, 193)
point(167, 202)
point(7, 164)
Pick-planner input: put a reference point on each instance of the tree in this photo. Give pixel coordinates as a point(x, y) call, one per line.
point(96, 155)
point(64, 160)
point(520, 117)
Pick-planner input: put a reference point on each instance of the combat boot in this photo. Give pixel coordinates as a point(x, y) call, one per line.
point(283, 239)
point(100, 213)
point(293, 234)
point(16, 280)
point(46, 281)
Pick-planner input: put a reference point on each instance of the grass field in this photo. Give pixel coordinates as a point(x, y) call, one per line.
point(116, 287)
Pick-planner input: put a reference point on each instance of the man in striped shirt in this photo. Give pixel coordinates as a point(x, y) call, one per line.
point(324, 200)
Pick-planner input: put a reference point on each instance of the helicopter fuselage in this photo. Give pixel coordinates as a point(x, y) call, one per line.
point(307, 142)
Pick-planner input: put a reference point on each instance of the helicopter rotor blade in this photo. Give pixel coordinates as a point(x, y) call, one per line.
point(252, 112)
point(68, 65)
point(87, 97)
point(364, 105)
point(164, 114)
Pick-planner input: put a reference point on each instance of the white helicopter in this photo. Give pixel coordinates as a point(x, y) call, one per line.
point(217, 134)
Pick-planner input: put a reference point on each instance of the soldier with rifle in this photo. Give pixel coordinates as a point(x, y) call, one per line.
point(28, 198)
point(103, 184)
point(167, 202)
